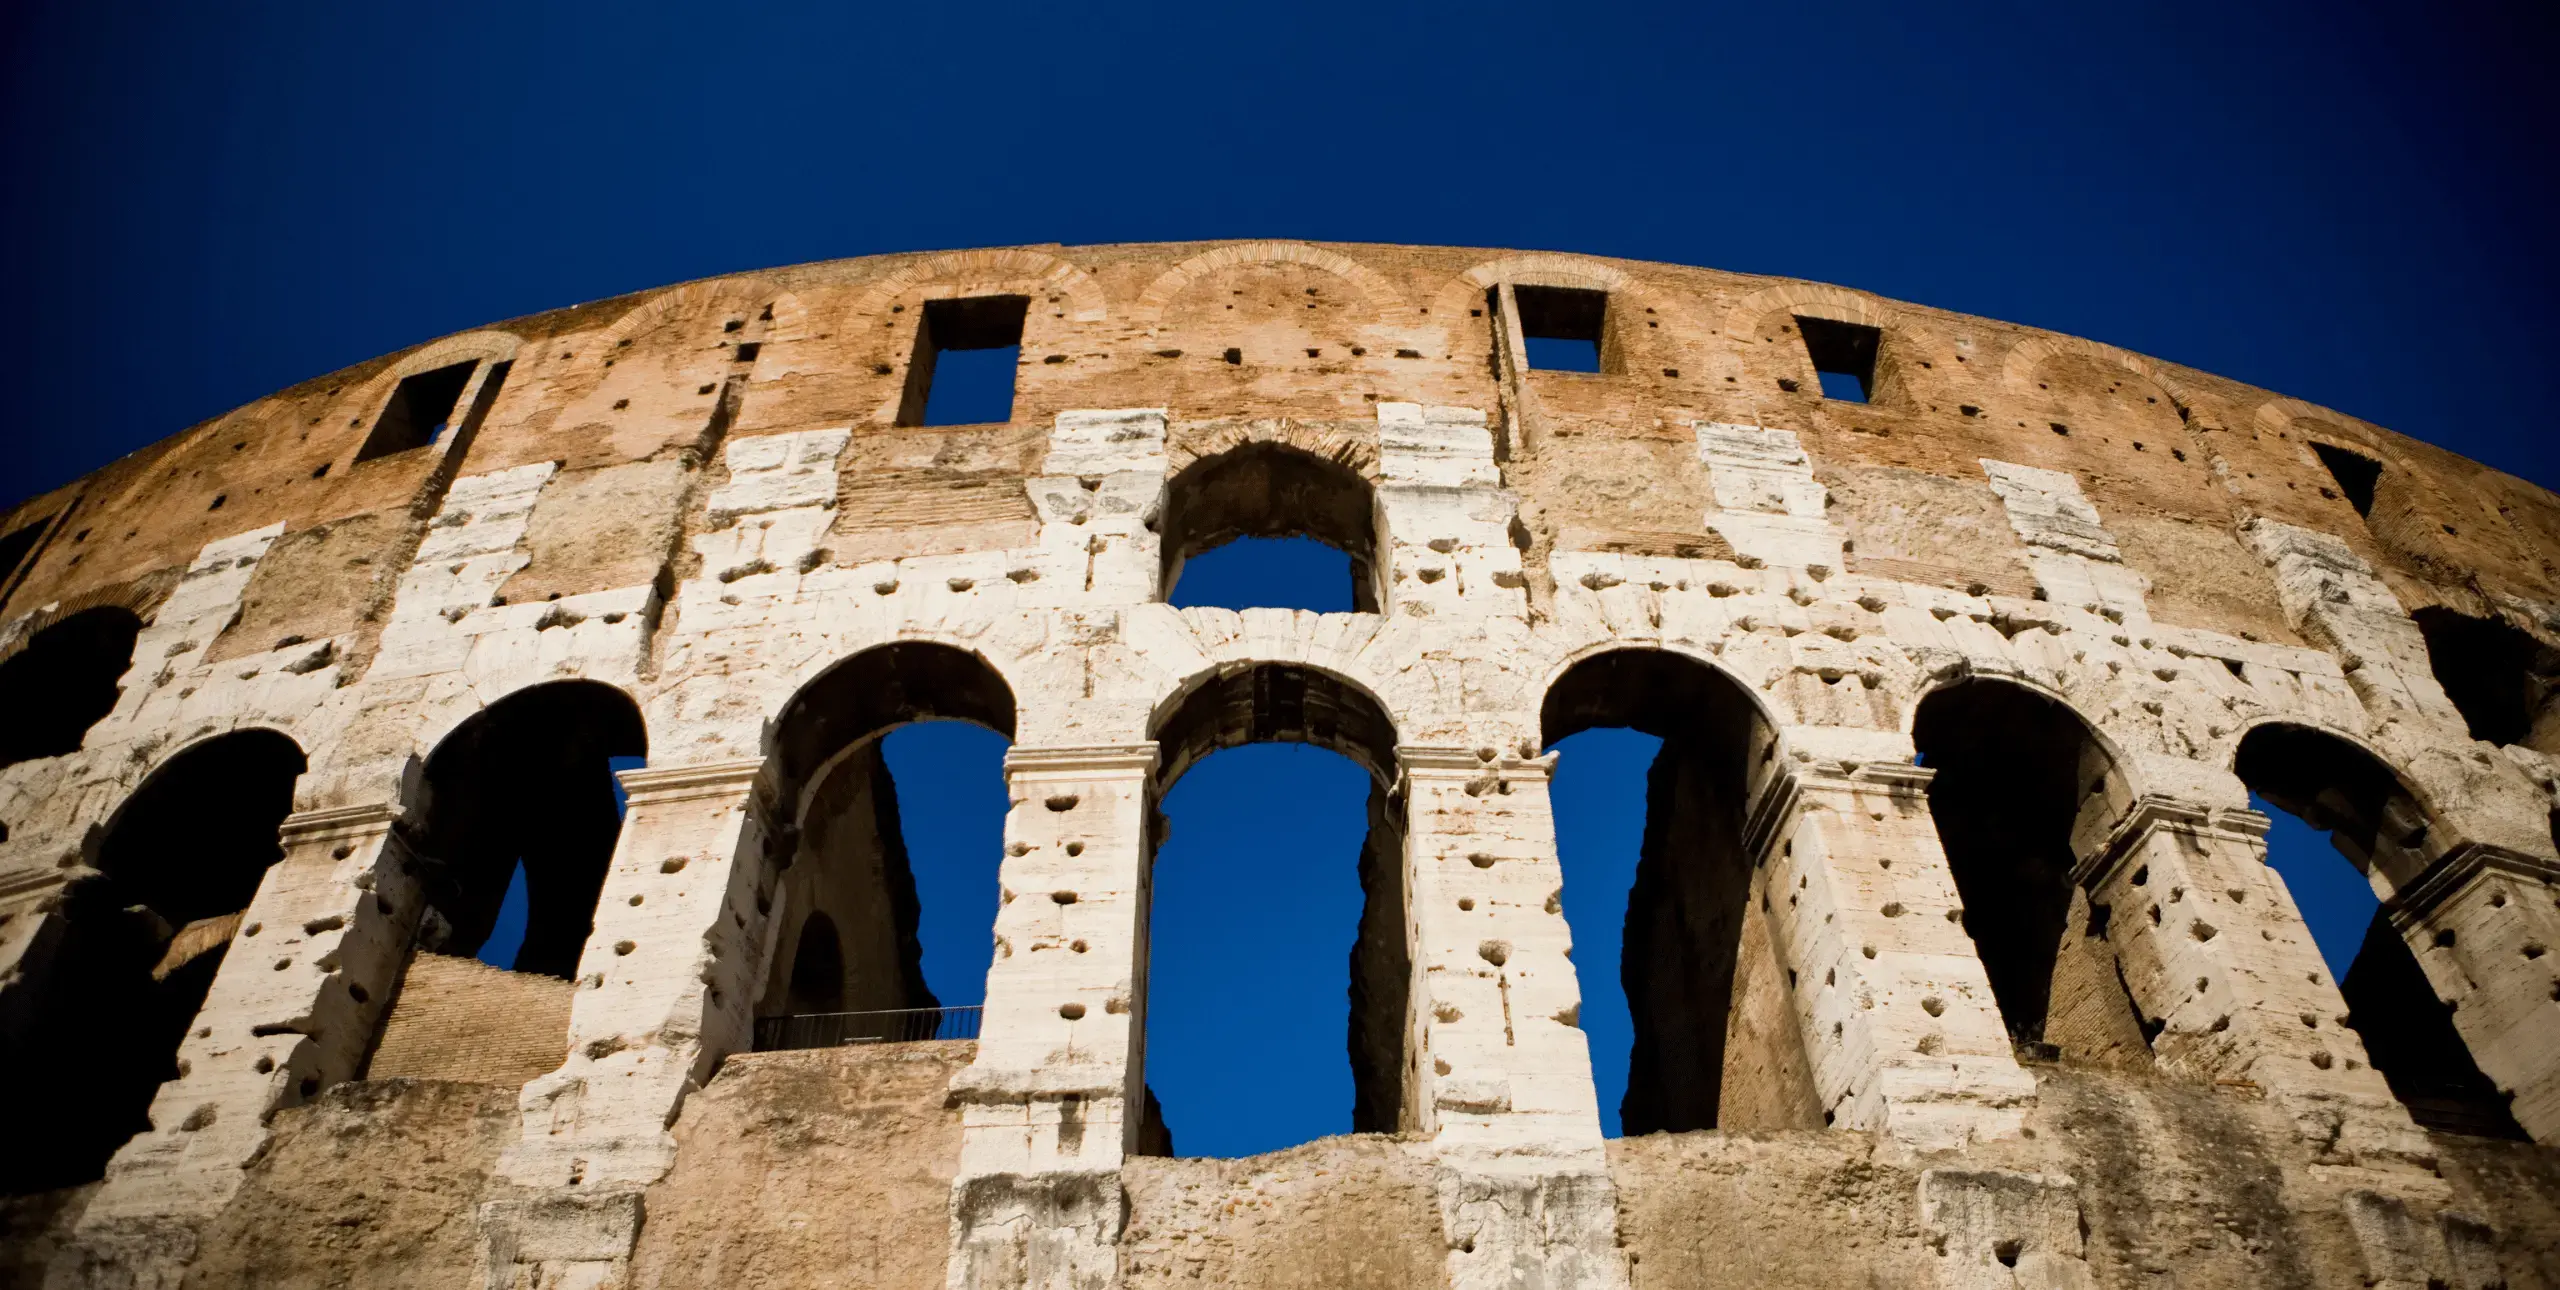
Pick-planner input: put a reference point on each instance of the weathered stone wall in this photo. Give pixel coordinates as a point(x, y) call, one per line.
point(709, 500)
point(460, 1020)
point(829, 1167)
point(373, 1184)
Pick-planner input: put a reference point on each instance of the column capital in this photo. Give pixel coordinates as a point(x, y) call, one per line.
point(1777, 801)
point(654, 784)
point(2159, 811)
point(1082, 759)
point(339, 821)
point(1440, 761)
point(2454, 870)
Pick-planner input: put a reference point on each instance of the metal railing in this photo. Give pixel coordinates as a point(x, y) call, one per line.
point(837, 1029)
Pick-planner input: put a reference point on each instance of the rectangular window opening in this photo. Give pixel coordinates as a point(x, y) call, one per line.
point(1844, 357)
point(963, 368)
point(419, 411)
point(2356, 475)
point(1562, 327)
point(14, 549)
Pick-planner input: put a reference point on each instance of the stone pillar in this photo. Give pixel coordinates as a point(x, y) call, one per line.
point(1054, 1099)
point(292, 1009)
point(1899, 1022)
point(666, 988)
point(1503, 1073)
point(2483, 922)
point(2217, 958)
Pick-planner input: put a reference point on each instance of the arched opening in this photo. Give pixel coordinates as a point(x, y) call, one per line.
point(141, 943)
point(2315, 783)
point(64, 682)
point(1270, 525)
point(2016, 772)
point(2505, 683)
point(1699, 1011)
point(1267, 857)
point(892, 767)
point(817, 967)
point(518, 825)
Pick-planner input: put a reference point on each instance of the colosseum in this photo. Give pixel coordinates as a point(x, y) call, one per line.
point(1956, 960)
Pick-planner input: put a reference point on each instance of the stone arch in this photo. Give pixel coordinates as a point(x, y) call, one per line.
point(1010, 268)
point(1381, 294)
point(1813, 300)
point(693, 299)
point(60, 680)
point(1211, 645)
point(2307, 423)
point(847, 699)
point(2342, 784)
point(845, 866)
point(1623, 344)
point(523, 788)
point(1536, 269)
point(1268, 489)
point(1354, 449)
point(1553, 668)
point(2018, 366)
point(2502, 678)
point(1898, 341)
point(1263, 701)
point(2373, 816)
point(488, 345)
point(1203, 713)
point(2024, 789)
point(1696, 963)
point(2404, 506)
point(140, 938)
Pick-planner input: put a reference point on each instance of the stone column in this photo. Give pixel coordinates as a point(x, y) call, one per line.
point(2217, 957)
point(2483, 922)
point(1898, 1017)
point(292, 1009)
point(666, 989)
point(1054, 1099)
point(1502, 1081)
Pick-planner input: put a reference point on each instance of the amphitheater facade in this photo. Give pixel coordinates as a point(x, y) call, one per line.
point(1955, 958)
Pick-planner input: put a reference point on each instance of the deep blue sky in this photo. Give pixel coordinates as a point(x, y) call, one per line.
point(209, 202)
point(206, 203)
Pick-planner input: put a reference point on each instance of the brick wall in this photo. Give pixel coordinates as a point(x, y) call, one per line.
point(460, 1019)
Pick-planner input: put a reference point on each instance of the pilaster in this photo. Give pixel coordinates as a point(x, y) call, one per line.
point(1899, 1022)
point(2482, 922)
point(1502, 1081)
point(292, 1009)
point(2216, 956)
point(666, 988)
point(1052, 1103)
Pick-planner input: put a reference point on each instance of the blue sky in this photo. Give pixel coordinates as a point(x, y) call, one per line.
point(207, 203)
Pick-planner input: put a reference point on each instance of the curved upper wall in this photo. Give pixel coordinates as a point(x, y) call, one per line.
point(619, 393)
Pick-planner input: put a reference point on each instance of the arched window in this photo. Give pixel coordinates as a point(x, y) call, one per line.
point(1255, 898)
point(1270, 525)
point(2505, 683)
point(1691, 1040)
point(2314, 783)
point(64, 682)
point(519, 822)
point(2014, 771)
point(892, 769)
point(141, 943)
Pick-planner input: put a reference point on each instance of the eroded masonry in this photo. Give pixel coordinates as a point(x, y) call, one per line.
point(1955, 958)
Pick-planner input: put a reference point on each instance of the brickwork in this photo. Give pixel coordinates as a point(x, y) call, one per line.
point(713, 500)
point(460, 1019)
